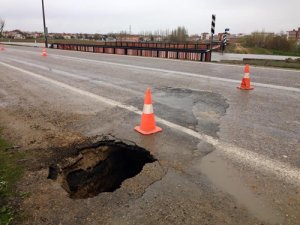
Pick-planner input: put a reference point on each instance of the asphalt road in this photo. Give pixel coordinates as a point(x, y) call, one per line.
point(225, 156)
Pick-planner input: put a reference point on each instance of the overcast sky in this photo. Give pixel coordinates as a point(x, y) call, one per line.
point(102, 16)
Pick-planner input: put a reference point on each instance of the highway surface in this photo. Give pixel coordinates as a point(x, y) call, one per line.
point(225, 156)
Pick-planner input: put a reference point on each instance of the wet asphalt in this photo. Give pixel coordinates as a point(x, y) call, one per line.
point(191, 187)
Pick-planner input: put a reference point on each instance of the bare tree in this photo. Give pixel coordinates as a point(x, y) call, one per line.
point(179, 35)
point(2, 25)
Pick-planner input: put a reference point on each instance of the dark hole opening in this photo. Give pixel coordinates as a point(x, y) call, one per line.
point(101, 168)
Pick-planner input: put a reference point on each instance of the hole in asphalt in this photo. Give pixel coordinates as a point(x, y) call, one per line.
point(100, 168)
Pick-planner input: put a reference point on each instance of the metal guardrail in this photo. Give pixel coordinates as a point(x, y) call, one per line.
point(193, 52)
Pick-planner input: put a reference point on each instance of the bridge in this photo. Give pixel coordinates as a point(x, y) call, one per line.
point(189, 51)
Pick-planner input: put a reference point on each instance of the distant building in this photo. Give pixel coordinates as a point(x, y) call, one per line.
point(216, 37)
point(15, 34)
point(19, 36)
point(265, 34)
point(239, 35)
point(110, 38)
point(127, 37)
point(132, 37)
point(194, 38)
point(221, 36)
point(294, 35)
point(205, 36)
point(67, 36)
point(157, 38)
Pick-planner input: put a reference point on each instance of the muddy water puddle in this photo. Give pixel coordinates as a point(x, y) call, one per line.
point(226, 178)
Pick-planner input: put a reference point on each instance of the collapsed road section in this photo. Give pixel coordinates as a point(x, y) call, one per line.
point(100, 167)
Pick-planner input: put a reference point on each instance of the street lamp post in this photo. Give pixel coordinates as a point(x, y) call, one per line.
point(45, 28)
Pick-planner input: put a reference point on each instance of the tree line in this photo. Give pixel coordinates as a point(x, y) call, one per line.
point(270, 41)
point(2, 25)
point(179, 35)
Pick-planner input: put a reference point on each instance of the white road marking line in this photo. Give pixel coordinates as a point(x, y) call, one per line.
point(177, 73)
point(171, 72)
point(178, 60)
point(80, 77)
point(256, 161)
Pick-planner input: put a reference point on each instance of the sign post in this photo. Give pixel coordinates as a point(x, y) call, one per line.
point(213, 25)
point(224, 44)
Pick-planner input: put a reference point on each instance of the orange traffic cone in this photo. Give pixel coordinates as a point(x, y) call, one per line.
point(44, 52)
point(148, 125)
point(1, 47)
point(245, 85)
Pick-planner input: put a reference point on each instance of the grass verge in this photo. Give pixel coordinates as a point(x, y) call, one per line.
point(10, 173)
point(288, 63)
point(240, 49)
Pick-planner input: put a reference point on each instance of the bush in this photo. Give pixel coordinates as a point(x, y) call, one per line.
point(268, 41)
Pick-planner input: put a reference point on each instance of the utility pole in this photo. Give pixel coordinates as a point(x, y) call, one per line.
point(45, 28)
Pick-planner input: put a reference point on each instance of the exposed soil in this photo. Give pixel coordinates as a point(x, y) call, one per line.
point(101, 167)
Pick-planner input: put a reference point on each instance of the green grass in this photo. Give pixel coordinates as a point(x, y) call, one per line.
point(278, 52)
point(10, 173)
point(273, 63)
point(292, 64)
point(240, 48)
point(262, 51)
point(273, 52)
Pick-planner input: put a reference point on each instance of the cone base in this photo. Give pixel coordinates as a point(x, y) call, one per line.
point(44, 54)
point(155, 130)
point(245, 88)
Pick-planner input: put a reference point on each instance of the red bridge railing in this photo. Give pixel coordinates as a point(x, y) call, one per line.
point(193, 52)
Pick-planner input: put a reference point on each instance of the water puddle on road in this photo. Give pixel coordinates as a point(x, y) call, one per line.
point(225, 177)
point(195, 109)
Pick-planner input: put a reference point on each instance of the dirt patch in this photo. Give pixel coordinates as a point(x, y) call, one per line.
point(240, 49)
point(101, 167)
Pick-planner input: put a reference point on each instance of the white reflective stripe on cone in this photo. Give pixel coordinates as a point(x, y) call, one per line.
point(148, 109)
point(247, 75)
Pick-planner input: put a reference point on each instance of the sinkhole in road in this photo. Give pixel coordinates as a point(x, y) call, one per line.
point(100, 168)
